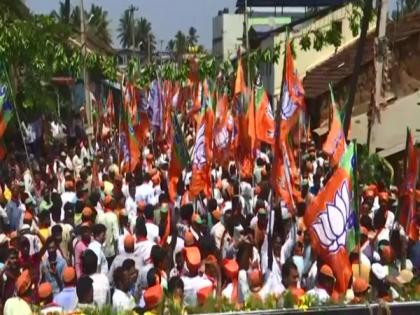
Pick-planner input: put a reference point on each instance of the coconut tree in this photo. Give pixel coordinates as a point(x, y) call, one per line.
point(144, 38)
point(126, 29)
point(13, 9)
point(181, 44)
point(64, 12)
point(192, 36)
point(99, 24)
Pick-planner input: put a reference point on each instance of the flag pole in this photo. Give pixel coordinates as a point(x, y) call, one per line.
point(17, 116)
point(276, 148)
point(356, 200)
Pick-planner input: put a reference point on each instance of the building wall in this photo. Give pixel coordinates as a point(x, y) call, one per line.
point(227, 34)
point(306, 60)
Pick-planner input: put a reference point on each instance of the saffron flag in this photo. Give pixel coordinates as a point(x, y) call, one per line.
point(222, 135)
point(134, 147)
point(110, 107)
point(328, 219)
point(179, 159)
point(264, 119)
point(408, 207)
point(293, 96)
point(335, 145)
point(202, 156)
point(243, 142)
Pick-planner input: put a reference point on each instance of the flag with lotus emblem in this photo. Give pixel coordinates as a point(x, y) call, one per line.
point(293, 99)
point(330, 217)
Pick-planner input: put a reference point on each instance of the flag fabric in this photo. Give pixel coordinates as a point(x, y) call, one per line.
point(335, 145)
point(3, 92)
point(110, 109)
point(155, 106)
point(328, 219)
point(134, 147)
point(5, 117)
point(408, 207)
point(243, 142)
point(264, 118)
point(222, 135)
point(293, 96)
point(179, 159)
point(202, 156)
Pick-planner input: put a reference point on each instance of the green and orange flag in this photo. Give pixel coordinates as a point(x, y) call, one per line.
point(264, 118)
point(330, 217)
point(179, 158)
point(5, 115)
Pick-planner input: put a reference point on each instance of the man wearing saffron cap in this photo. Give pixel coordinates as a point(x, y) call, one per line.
point(325, 284)
point(45, 296)
point(193, 282)
point(67, 298)
point(21, 304)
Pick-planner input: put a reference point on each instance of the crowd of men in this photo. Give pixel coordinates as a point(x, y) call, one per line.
point(78, 233)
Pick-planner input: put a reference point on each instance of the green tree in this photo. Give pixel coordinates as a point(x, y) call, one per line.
point(64, 12)
point(98, 25)
point(10, 9)
point(181, 45)
point(126, 29)
point(192, 36)
point(144, 38)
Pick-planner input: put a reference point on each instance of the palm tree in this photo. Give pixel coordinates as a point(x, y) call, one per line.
point(192, 36)
point(181, 44)
point(64, 12)
point(170, 47)
point(13, 9)
point(126, 29)
point(75, 17)
point(144, 36)
point(99, 24)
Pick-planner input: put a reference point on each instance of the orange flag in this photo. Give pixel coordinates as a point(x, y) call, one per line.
point(243, 142)
point(202, 156)
point(335, 145)
point(264, 119)
point(293, 96)
point(408, 207)
point(328, 218)
point(222, 134)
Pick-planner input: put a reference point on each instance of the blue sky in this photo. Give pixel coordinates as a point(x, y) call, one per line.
point(166, 16)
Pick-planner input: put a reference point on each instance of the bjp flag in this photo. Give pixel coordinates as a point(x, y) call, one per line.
point(408, 207)
point(329, 217)
point(335, 145)
point(202, 156)
point(292, 98)
point(264, 119)
point(179, 159)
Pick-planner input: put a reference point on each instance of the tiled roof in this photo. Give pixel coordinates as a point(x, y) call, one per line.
point(340, 65)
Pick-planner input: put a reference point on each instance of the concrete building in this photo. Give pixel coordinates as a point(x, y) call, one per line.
point(305, 59)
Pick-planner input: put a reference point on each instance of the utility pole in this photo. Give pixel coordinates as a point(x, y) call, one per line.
point(367, 10)
point(380, 55)
point(248, 70)
point(88, 105)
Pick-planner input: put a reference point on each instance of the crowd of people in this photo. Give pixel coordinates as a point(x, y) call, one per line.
point(78, 232)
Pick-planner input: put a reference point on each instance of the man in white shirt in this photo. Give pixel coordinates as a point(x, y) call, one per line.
point(143, 246)
point(145, 191)
point(193, 282)
point(68, 196)
point(325, 285)
point(99, 231)
point(131, 205)
point(122, 300)
point(110, 220)
point(152, 228)
point(101, 287)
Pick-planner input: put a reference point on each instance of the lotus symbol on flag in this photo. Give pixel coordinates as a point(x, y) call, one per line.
point(287, 107)
point(332, 223)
